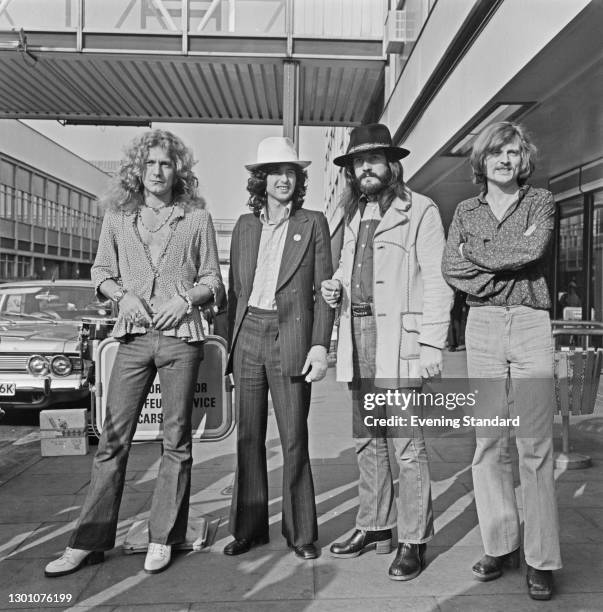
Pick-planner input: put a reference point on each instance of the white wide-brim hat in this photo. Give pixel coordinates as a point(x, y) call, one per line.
point(277, 150)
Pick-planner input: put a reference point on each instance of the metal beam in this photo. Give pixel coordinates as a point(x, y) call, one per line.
point(210, 11)
point(291, 101)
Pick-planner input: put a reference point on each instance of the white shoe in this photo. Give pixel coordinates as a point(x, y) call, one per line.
point(158, 558)
point(72, 560)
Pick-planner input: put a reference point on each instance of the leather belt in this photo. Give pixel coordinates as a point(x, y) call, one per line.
point(261, 312)
point(362, 310)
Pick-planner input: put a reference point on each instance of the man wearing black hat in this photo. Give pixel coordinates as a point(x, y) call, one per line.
point(395, 309)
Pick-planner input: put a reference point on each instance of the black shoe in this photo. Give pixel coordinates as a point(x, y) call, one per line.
point(540, 583)
point(490, 568)
point(359, 540)
point(305, 551)
point(238, 546)
point(409, 561)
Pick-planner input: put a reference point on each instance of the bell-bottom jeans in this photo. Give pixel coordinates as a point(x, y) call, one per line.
point(510, 357)
point(376, 496)
point(138, 360)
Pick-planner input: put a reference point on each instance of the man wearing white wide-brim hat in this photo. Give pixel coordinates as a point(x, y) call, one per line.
point(394, 319)
point(279, 332)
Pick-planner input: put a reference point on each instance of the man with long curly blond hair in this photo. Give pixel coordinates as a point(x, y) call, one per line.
point(157, 259)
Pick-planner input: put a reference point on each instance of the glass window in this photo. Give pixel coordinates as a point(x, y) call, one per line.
point(51, 190)
point(570, 292)
point(23, 266)
point(77, 222)
point(54, 219)
point(19, 207)
point(22, 206)
point(41, 211)
point(58, 301)
point(7, 266)
point(597, 267)
point(6, 201)
point(143, 16)
point(64, 215)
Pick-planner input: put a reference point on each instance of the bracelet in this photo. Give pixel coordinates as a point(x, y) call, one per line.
point(214, 297)
point(189, 302)
point(216, 307)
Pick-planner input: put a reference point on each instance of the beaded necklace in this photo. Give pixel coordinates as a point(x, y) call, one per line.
point(154, 231)
point(157, 209)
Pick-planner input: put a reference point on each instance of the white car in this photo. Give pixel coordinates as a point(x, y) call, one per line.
point(41, 363)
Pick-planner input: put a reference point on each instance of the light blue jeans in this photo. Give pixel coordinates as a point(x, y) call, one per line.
point(510, 356)
point(376, 498)
point(138, 360)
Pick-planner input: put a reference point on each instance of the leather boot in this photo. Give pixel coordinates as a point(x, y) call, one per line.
point(359, 540)
point(409, 561)
point(540, 583)
point(490, 568)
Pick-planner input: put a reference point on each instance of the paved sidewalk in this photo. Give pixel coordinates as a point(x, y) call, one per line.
point(41, 497)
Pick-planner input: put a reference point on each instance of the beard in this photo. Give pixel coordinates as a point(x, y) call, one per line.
point(377, 185)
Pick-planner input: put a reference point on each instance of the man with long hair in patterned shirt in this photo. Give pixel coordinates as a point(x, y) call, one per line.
point(157, 259)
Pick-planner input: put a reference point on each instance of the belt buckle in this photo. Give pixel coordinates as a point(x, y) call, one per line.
point(361, 310)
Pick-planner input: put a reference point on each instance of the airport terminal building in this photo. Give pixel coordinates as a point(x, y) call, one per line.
point(49, 217)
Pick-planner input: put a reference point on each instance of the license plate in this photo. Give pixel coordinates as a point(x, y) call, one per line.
point(7, 388)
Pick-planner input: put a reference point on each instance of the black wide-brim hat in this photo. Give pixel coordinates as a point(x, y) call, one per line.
point(370, 137)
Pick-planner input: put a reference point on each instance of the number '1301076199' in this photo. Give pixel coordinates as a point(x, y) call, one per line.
point(40, 597)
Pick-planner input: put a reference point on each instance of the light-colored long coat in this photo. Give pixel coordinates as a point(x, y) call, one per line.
point(411, 298)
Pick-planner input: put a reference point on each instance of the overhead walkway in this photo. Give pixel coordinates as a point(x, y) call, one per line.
point(296, 62)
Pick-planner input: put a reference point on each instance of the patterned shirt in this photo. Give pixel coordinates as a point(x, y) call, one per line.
point(362, 273)
point(270, 253)
point(189, 257)
point(502, 262)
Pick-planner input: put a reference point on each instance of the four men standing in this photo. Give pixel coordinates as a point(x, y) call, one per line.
point(157, 260)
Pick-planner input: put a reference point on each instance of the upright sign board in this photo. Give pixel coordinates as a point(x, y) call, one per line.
point(212, 403)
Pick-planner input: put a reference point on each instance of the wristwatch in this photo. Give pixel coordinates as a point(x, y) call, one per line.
point(189, 303)
point(118, 295)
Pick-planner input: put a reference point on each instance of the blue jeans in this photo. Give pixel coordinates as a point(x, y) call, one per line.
point(138, 360)
point(376, 499)
point(510, 355)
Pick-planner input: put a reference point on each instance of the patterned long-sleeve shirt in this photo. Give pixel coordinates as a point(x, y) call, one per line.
point(502, 262)
point(188, 258)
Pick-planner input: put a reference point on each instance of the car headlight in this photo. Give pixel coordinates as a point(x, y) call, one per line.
point(61, 365)
point(38, 365)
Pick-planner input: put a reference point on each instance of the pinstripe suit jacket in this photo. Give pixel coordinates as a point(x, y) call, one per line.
point(304, 318)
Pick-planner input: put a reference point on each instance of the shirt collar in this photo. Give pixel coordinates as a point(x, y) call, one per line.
point(481, 198)
point(266, 221)
point(373, 205)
